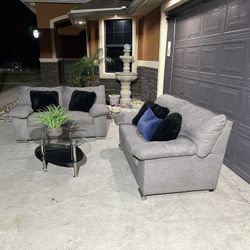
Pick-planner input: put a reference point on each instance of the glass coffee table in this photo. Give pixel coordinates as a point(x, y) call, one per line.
point(60, 150)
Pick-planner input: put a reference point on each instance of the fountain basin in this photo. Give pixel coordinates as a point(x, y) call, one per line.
point(126, 76)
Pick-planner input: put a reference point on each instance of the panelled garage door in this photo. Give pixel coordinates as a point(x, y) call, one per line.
point(211, 68)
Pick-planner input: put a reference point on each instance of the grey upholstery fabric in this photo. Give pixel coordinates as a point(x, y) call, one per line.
point(24, 94)
point(98, 109)
point(81, 119)
point(191, 162)
point(164, 149)
point(202, 127)
point(21, 111)
point(91, 124)
point(172, 103)
point(33, 121)
point(124, 117)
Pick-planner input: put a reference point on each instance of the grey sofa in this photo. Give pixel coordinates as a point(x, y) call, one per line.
point(191, 162)
point(93, 124)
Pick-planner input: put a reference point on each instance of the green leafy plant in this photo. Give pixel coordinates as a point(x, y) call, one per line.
point(53, 116)
point(86, 69)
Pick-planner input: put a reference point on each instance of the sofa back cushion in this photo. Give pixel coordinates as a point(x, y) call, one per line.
point(24, 94)
point(99, 90)
point(200, 125)
point(172, 103)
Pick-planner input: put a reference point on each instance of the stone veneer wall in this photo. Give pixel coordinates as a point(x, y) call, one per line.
point(50, 73)
point(144, 88)
point(147, 80)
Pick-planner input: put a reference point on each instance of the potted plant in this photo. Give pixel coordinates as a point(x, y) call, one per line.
point(53, 117)
point(85, 71)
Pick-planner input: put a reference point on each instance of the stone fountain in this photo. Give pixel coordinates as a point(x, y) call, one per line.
point(126, 77)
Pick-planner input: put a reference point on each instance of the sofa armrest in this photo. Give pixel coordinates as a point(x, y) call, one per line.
point(98, 109)
point(164, 149)
point(125, 118)
point(21, 111)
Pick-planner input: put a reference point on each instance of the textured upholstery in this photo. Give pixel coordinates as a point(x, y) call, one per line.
point(81, 119)
point(202, 127)
point(21, 111)
point(98, 109)
point(125, 117)
point(92, 124)
point(191, 162)
point(163, 149)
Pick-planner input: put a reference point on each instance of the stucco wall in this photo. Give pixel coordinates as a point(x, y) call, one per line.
point(148, 36)
point(47, 11)
point(93, 36)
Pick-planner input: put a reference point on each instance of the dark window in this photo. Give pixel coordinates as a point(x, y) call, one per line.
point(118, 33)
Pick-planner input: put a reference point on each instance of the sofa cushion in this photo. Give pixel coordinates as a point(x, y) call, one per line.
point(98, 109)
point(130, 136)
point(155, 150)
point(172, 103)
point(82, 101)
point(24, 93)
point(142, 111)
point(148, 124)
point(33, 121)
point(82, 119)
point(168, 129)
point(99, 90)
point(202, 127)
point(41, 99)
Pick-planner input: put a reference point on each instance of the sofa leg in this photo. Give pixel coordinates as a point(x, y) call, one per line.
point(211, 190)
point(143, 197)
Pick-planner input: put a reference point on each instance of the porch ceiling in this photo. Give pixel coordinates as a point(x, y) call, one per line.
point(96, 8)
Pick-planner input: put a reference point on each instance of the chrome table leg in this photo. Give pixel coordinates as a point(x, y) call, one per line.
point(43, 151)
point(75, 161)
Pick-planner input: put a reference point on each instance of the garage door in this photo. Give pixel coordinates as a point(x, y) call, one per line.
point(211, 68)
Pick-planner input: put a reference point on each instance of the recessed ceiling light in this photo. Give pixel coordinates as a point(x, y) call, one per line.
point(80, 22)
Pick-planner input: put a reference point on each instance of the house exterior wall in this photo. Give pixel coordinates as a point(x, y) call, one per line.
point(148, 56)
point(50, 66)
point(148, 37)
point(92, 37)
point(44, 13)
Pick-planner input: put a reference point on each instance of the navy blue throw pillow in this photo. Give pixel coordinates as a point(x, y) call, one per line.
point(148, 124)
point(82, 101)
point(42, 99)
point(168, 129)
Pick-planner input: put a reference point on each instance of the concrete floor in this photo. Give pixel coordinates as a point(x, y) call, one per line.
point(101, 209)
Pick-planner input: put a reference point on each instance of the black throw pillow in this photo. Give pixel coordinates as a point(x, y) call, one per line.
point(168, 129)
point(159, 111)
point(42, 99)
point(144, 107)
point(82, 101)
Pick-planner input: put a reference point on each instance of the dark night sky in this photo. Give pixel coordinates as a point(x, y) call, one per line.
point(16, 39)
